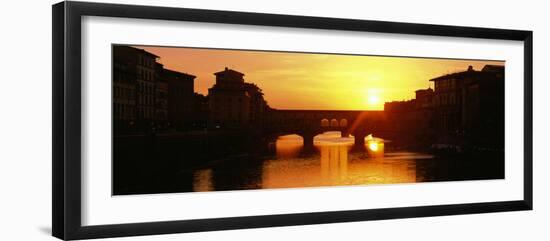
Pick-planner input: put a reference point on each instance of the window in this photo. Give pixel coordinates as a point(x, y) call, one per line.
point(452, 99)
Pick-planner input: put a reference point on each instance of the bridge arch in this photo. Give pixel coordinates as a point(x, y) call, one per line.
point(334, 123)
point(325, 123)
point(343, 122)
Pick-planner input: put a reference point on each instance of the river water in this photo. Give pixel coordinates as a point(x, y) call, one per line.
point(335, 161)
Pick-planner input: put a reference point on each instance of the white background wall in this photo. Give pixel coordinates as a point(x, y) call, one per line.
point(25, 120)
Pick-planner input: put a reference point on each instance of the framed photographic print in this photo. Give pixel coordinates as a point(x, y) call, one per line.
point(170, 120)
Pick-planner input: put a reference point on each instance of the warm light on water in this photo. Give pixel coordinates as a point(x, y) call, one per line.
point(336, 165)
point(288, 146)
point(332, 164)
point(373, 146)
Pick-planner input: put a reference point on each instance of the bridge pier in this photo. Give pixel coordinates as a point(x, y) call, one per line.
point(308, 144)
point(271, 145)
point(360, 138)
point(344, 133)
point(308, 140)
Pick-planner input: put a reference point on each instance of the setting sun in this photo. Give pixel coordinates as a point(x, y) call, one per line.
point(315, 81)
point(228, 120)
point(374, 100)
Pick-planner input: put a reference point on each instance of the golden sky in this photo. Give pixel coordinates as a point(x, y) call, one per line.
point(315, 81)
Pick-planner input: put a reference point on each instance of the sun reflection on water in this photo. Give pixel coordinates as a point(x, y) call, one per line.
point(335, 165)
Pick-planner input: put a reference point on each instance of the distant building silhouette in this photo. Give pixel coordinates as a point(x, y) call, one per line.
point(411, 119)
point(258, 105)
point(424, 98)
point(233, 102)
point(400, 106)
point(200, 111)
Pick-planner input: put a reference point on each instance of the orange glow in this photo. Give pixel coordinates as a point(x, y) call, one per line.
point(288, 146)
point(335, 166)
point(316, 81)
point(373, 146)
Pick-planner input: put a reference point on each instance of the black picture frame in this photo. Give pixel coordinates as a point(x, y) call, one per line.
point(66, 47)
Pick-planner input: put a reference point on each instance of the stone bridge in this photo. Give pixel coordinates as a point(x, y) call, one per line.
point(309, 123)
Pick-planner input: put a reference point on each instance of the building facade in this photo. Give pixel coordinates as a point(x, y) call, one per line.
point(469, 106)
point(124, 96)
point(146, 96)
point(233, 102)
point(258, 105)
point(424, 98)
point(200, 111)
point(133, 88)
point(161, 98)
point(180, 98)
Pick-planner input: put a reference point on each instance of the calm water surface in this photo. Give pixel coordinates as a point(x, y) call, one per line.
point(334, 161)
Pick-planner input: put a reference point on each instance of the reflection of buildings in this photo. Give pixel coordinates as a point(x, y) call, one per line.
point(143, 92)
point(233, 102)
point(202, 180)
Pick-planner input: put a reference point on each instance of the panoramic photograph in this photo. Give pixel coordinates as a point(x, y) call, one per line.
point(188, 119)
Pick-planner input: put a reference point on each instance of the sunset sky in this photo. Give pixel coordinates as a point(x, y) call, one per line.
point(315, 81)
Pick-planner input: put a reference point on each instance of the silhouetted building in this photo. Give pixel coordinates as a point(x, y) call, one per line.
point(413, 119)
point(424, 98)
point(200, 111)
point(399, 106)
point(133, 88)
point(179, 97)
point(161, 98)
point(146, 96)
point(124, 96)
point(257, 104)
point(469, 106)
point(234, 103)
